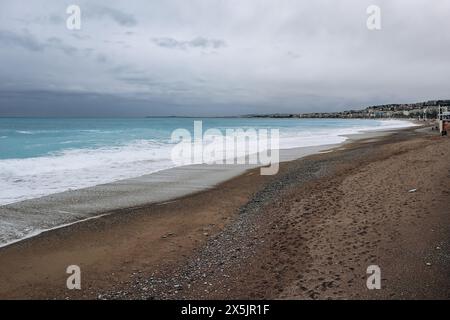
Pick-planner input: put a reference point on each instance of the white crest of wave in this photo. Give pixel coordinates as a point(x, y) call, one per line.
point(29, 178)
point(73, 169)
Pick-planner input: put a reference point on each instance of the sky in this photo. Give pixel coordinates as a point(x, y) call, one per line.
point(219, 57)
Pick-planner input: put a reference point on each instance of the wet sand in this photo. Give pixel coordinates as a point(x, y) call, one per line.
point(309, 232)
point(26, 219)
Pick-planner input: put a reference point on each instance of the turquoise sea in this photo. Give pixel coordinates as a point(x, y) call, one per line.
point(41, 156)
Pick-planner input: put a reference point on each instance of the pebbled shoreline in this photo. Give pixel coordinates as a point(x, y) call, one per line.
point(300, 237)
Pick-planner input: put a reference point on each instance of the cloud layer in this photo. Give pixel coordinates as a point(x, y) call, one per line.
point(198, 42)
point(216, 57)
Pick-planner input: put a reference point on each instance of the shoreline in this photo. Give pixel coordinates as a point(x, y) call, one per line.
point(149, 252)
point(94, 202)
point(314, 238)
point(165, 185)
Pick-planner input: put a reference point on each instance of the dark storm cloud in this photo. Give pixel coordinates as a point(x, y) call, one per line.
point(101, 58)
point(27, 41)
point(122, 18)
point(41, 103)
point(24, 40)
point(138, 80)
point(80, 37)
point(220, 57)
point(57, 43)
point(198, 42)
point(56, 19)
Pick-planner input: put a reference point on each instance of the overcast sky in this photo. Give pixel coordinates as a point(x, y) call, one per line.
point(219, 57)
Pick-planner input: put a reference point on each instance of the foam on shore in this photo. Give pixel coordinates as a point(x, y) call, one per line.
point(31, 217)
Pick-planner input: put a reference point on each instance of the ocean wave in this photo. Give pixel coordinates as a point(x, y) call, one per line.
point(79, 168)
point(34, 177)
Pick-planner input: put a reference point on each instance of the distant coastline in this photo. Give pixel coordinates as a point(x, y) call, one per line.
point(421, 110)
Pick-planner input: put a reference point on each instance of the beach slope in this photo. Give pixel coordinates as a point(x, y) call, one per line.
point(310, 232)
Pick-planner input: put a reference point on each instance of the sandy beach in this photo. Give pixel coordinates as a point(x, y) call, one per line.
point(308, 232)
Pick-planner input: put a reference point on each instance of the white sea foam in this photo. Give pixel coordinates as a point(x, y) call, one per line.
point(29, 178)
